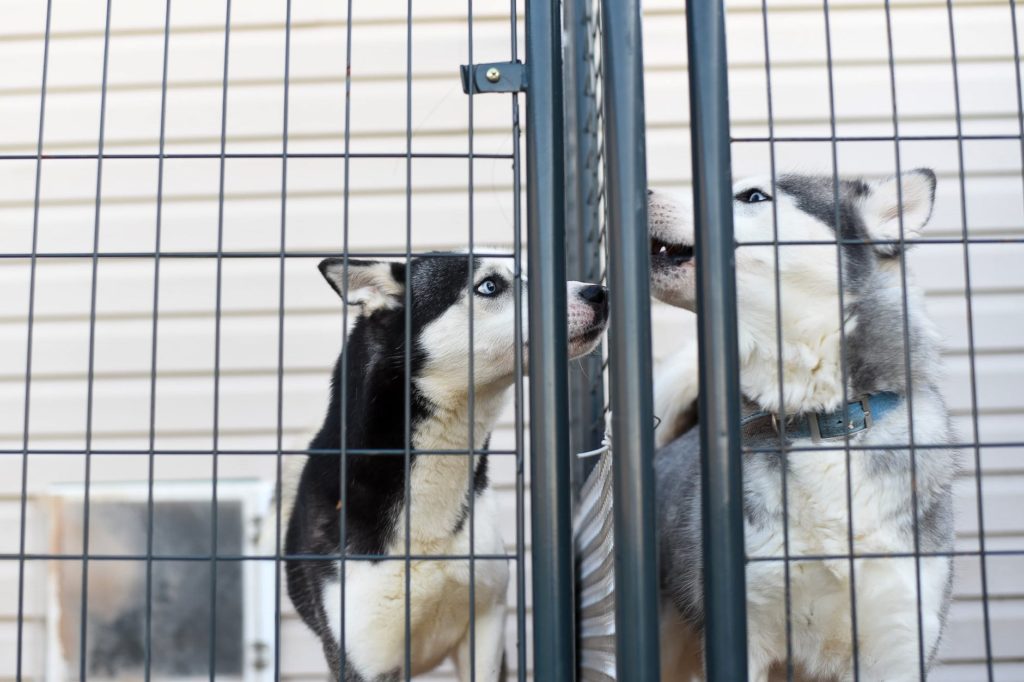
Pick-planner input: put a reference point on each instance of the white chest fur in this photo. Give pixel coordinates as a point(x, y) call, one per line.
point(437, 594)
point(432, 595)
point(820, 590)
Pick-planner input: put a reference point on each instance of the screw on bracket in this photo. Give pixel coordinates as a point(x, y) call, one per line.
point(496, 77)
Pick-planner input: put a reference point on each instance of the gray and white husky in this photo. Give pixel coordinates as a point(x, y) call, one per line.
point(441, 486)
point(885, 479)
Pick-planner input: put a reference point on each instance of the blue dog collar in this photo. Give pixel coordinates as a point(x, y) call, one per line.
point(857, 416)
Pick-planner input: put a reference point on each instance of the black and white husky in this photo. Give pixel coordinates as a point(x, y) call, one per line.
point(871, 407)
point(441, 486)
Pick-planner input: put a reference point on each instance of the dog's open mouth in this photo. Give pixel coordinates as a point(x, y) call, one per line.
point(676, 254)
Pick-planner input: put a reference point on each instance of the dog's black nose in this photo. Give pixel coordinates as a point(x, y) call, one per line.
point(650, 192)
point(594, 293)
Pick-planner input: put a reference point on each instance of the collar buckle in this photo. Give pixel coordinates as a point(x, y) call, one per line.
point(851, 427)
point(865, 406)
point(815, 428)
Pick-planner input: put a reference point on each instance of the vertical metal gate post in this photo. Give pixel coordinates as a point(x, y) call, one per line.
point(550, 492)
point(725, 629)
point(583, 255)
point(632, 400)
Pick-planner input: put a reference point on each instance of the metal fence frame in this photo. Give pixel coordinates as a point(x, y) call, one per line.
point(719, 403)
point(550, 492)
point(606, 146)
point(624, 187)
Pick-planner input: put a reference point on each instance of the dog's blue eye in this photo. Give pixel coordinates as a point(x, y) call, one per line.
point(487, 288)
point(753, 196)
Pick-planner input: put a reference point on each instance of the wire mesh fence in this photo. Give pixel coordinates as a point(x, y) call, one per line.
point(148, 540)
point(173, 172)
point(856, 91)
point(879, 146)
point(586, 220)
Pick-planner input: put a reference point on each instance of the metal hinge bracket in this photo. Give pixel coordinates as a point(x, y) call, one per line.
point(495, 77)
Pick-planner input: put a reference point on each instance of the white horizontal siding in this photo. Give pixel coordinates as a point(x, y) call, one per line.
point(993, 203)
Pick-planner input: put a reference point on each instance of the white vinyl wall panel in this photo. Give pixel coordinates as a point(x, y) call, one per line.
point(993, 201)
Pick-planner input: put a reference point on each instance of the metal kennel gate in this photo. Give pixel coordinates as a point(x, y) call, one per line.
point(586, 187)
point(604, 65)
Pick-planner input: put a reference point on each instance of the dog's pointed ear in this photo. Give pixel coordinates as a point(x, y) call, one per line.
point(910, 196)
point(370, 284)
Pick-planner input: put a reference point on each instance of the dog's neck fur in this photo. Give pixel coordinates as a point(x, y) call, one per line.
point(448, 426)
point(441, 484)
point(375, 410)
point(812, 377)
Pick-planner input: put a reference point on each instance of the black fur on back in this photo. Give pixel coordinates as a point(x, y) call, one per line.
point(375, 418)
